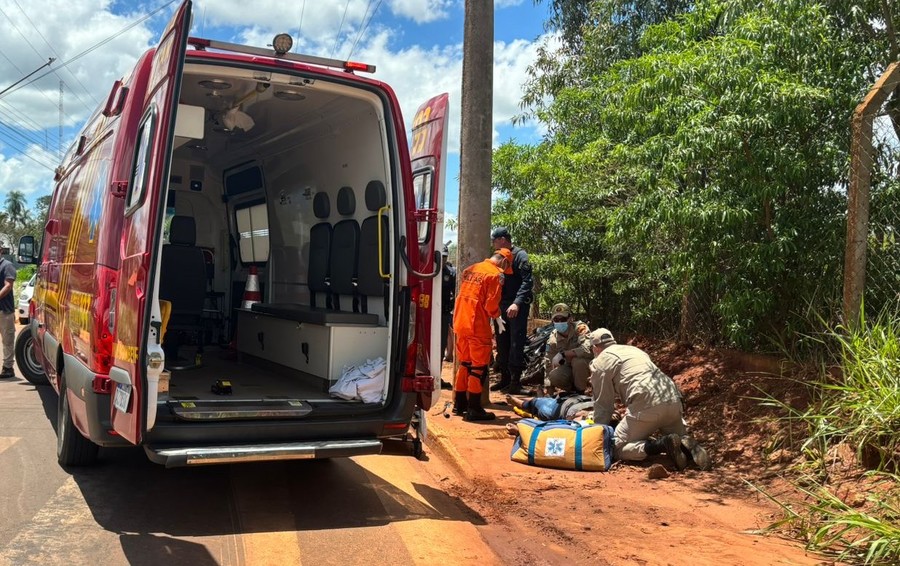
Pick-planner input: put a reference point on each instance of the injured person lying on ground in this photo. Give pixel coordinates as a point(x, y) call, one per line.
point(568, 406)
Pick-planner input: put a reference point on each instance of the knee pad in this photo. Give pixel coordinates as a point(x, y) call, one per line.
point(478, 372)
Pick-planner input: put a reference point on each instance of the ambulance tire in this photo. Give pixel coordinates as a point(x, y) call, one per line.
point(26, 359)
point(72, 449)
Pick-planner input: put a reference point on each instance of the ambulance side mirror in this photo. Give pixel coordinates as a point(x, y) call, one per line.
point(26, 250)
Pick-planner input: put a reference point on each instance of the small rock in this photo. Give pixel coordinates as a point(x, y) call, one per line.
point(657, 472)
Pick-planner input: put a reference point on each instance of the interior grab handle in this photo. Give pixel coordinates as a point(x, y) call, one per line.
point(437, 262)
point(381, 272)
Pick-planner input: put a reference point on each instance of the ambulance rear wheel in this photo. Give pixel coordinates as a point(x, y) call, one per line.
point(26, 358)
point(72, 449)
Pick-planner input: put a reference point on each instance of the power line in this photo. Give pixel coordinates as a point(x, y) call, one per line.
point(23, 150)
point(49, 61)
point(101, 43)
point(364, 28)
point(338, 36)
point(25, 120)
point(24, 129)
point(73, 75)
point(300, 27)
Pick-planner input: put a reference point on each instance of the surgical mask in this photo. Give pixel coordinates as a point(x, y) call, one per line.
point(561, 326)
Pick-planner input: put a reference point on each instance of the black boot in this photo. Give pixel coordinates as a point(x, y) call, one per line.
point(515, 383)
point(460, 403)
point(695, 452)
point(503, 383)
point(476, 412)
point(670, 445)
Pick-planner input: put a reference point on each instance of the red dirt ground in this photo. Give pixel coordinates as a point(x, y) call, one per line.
point(621, 516)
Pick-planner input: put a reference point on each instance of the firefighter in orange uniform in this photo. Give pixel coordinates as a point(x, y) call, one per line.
point(477, 302)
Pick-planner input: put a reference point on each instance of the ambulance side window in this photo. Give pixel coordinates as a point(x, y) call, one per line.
point(137, 186)
point(423, 190)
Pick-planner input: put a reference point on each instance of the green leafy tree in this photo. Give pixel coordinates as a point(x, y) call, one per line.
point(710, 169)
point(16, 207)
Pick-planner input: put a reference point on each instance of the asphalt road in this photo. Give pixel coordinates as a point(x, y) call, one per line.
point(387, 509)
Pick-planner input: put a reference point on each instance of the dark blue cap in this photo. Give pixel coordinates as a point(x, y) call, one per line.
point(500, 232)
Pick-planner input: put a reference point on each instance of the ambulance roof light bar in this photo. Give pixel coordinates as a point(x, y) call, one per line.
point(279, 42)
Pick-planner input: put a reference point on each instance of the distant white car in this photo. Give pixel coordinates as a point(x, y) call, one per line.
point(24, 299)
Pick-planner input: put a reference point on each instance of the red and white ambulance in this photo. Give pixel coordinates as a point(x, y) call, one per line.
point(207, 162)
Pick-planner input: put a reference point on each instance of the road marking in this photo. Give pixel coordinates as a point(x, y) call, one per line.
point(7, 442)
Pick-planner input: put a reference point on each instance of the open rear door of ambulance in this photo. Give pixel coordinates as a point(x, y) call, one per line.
point(136, 359)
point(429, 146)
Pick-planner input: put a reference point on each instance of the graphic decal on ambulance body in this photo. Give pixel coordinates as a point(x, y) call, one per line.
point(75, 319)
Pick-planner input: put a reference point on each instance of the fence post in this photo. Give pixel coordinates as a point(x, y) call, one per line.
point(861, 151)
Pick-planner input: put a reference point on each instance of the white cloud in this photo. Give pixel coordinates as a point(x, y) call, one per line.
point(29, 116)
point(417, 73)
point(421, 11)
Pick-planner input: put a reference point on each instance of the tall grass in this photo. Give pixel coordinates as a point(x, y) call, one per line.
point(858, 406)
point(862, 406)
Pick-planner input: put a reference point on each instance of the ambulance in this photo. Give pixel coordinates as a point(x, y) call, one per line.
point(239, 261)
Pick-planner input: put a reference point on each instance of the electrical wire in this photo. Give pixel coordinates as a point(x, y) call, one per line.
point(26, 130)
point(300, 27)
point(25, 120)
point(23, 149)
point(340, 28)
point(364, 28)
point(100, 44)
point(73, 75)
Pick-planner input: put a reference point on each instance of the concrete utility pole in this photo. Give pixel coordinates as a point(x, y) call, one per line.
point(475, 138)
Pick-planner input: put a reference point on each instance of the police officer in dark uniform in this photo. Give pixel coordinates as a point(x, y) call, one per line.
point(448, 297)
point(514, 305)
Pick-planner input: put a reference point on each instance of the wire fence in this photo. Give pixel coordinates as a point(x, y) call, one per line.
point(872, 257)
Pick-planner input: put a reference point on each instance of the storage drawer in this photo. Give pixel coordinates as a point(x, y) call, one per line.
point(305, 347)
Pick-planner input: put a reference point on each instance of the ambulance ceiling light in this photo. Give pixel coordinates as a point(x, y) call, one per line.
point(288, 94)
point(215, 84)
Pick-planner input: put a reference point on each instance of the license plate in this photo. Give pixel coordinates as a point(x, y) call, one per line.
point(123, 394)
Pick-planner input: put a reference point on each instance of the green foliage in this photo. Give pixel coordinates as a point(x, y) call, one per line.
point(17, 220)
point(828, 524)
point(702, 180)
point(858, 406)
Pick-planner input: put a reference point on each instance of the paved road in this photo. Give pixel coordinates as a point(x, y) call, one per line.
point(387, 509)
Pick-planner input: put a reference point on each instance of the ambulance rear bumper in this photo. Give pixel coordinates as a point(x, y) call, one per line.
point(172, 457)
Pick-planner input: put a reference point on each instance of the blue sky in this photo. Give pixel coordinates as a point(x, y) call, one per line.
point(416, 45)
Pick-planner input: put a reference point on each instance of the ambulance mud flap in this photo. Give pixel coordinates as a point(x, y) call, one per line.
point(172, 457)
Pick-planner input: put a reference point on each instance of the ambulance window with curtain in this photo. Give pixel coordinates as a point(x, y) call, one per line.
point(423, 191)
point(253, 233)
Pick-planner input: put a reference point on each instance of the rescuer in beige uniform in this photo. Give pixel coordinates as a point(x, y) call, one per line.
point(568, 355)
point(652, 399)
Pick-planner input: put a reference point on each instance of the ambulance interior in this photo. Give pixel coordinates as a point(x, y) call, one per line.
point(291, 177)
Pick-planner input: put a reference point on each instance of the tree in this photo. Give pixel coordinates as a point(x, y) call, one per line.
point(16, 207)
point(715, 157)
point(594, 34)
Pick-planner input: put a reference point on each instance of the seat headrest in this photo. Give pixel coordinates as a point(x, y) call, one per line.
point(375, 196)
point(321, 205)
point(182, 231)
point(346, 201)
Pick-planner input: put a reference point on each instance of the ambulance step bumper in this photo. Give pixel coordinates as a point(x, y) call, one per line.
point(172, 457)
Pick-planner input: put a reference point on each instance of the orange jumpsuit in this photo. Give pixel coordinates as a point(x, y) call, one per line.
point(477, 302)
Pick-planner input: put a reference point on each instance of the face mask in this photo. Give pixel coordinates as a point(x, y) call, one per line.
point(561, 326)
